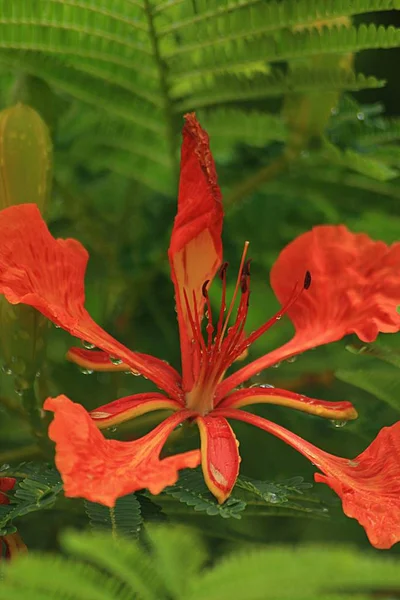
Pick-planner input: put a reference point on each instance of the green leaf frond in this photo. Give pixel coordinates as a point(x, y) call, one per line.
point(38, 487)
point(229, 127)
point(289, 46)
point(192, 491)
point(138, 64)
point(123, 519)
point(215, 23)
point(171, 566)
point(232, 88)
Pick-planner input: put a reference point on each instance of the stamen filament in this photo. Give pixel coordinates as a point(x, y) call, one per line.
point(238, 281)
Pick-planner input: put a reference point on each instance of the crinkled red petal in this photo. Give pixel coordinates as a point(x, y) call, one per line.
point(131, 407)
point(355, 288)
point(219, 455)
point(270, 395)
point(355, 284)
point(103, 470)
point(195, 251)
point(369, 485)
point(48, 274)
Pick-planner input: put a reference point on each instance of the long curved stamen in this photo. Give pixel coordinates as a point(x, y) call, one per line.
point(232, 303)
point(294, 296)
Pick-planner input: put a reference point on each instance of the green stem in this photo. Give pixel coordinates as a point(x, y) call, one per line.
point(164, 86)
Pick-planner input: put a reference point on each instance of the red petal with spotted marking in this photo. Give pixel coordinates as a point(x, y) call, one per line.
point(219, 455)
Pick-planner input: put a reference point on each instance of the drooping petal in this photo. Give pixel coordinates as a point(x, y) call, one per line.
point(130, 407)
point(219, 455)
point(97, 360)
point(369, 485)
point(355, 288)
point(195, 251)
point(48, 274)
point(102, 470)
point(341, 411)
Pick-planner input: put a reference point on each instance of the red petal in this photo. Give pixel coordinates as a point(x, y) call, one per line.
point(355, 285)
point(130, 407)
point(355, 288)
point(270, 395)
point(219, 455)
point(101, 361)
point(6, 484)
point(195, 251)
point(102, 470)
point(48, 274)
point(369, 485)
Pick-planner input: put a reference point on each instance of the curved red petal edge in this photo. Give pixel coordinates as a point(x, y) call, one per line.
point(48, 274)
point(195, 251)
point(369, 485)
point(103, 470)
point(130, 407)
point(270, 395)
point(220, 458)
point(355, 284)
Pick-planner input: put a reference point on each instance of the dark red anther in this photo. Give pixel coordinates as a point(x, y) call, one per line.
point(204, 289)
point(222, 270)
point(307, 280)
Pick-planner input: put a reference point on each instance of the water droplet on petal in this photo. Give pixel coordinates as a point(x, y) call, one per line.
point(278, 317)
point(291, 359)
point(338, 423)
point(352, 463)
point(115, 360)
point(266, 385)
point(57, 326)
point(88, 345)
point(276, 365)
point(112, 429)
point(85, 371)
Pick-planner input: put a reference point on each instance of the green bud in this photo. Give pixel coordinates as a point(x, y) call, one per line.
point(25, 157)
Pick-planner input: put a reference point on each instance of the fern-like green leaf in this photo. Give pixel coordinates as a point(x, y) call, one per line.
point(191, 490)
point(171, 566)
point(215, 23)
point(124, 518)
point(228, 88)
point(237, 54)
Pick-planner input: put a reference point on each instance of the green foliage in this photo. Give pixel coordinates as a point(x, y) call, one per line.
point(249, 498)
point(172, 565)
point(375, 378)
point(138, 65)
point(124, 518)
point(37, 488)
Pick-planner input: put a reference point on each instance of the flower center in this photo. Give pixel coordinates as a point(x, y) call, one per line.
point(221, 345)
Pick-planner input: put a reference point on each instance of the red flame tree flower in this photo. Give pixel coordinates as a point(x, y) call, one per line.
point(355, 288)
